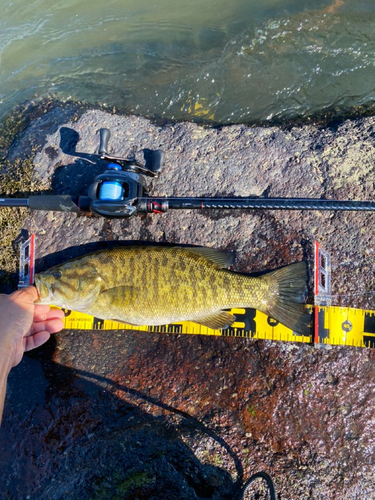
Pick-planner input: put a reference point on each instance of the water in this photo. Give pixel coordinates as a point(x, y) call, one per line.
point(236, 61)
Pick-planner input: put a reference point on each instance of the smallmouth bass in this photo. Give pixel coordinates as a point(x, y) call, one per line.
point(156, 285)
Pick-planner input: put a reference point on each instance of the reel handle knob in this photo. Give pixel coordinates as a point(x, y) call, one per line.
point(105, 134)
point(154, 161)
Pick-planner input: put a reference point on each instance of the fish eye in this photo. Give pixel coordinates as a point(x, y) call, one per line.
point(57, 275)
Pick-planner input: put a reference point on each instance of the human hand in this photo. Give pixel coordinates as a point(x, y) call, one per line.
point(25, 325)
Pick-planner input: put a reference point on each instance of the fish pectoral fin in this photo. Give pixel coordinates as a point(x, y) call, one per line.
point(217, 320)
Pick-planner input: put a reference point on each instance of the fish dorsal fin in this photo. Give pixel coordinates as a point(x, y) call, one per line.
point(221, 258)
point(217, 320)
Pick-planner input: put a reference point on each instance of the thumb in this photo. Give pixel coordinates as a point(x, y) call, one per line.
point(25, 295)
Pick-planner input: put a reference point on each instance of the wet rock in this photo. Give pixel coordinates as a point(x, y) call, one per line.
point(136, 415)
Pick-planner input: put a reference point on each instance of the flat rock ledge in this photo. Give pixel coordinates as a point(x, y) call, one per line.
point(135, 415)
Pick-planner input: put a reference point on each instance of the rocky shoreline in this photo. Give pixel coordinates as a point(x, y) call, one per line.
point(129, 415)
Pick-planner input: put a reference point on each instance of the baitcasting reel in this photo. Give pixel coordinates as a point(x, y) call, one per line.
point(116, 192)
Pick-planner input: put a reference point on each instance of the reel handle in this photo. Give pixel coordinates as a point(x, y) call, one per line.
point(105, 135)
point(154, 159)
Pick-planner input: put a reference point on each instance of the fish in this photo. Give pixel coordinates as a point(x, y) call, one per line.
point(157, 285)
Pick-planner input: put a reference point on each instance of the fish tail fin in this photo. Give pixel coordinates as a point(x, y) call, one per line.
point(287, 293)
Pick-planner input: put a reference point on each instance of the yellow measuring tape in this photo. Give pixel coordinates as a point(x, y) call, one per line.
point(334, 325)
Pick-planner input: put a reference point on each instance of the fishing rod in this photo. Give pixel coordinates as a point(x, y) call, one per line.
point(121, 192)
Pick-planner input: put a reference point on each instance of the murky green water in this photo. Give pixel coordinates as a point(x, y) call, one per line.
point(231, 61)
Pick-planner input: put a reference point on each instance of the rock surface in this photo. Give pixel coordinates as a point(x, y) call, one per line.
point(136, 415)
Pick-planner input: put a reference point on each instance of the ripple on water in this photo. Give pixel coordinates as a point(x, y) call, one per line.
point(250, 61)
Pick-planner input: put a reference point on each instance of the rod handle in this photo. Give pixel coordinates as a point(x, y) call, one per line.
point(53, 203)
point(105, 134)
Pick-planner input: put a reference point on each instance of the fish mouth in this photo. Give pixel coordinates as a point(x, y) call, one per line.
point(44, 291)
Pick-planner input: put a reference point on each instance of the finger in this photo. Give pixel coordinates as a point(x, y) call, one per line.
point(36, 340)
point(43, 312)
point(50, 325)
point(28, 294)
point(40, 312)
point(56, 313)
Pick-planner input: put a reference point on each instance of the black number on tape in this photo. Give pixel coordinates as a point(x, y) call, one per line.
point(248, 318)
point(369, 323)
point(98, 324)
point(272, 322)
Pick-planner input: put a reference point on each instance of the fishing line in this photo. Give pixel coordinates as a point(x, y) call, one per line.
point(196, 424)
point(254, 477)
point(352, 294)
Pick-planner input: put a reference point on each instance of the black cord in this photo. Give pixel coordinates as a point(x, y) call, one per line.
point(258, 475)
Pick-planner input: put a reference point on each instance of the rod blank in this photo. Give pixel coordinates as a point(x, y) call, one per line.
point(261, 203)
point(14, 202)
